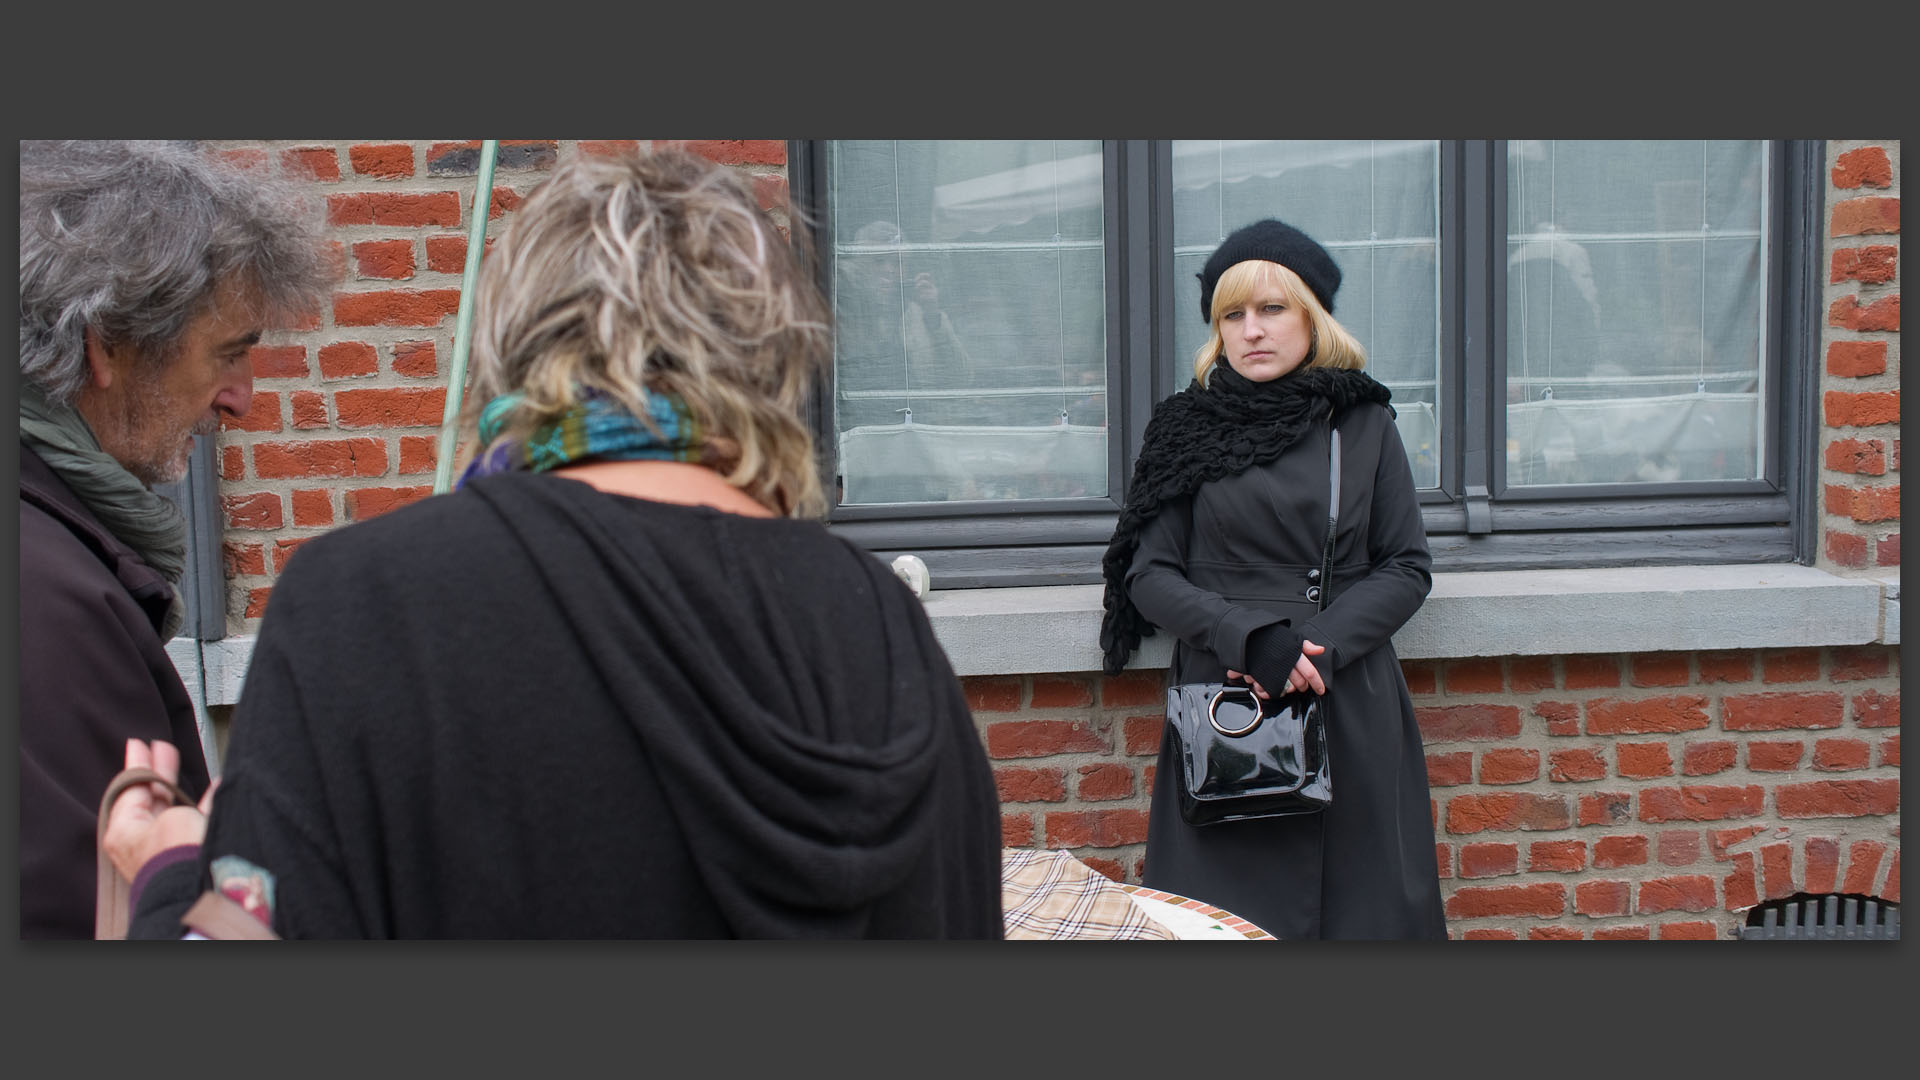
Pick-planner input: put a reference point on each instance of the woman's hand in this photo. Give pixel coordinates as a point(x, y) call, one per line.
point(142, 822)
point(1303, 675)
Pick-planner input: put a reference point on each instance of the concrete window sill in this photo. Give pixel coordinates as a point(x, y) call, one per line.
point(1056, 628)
point(1499, 613)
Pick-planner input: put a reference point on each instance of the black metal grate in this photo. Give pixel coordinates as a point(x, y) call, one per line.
point(1833, 917)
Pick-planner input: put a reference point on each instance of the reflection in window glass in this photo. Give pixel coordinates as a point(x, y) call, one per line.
point(969, 302)
point(1375, 207)
point(1636, 298)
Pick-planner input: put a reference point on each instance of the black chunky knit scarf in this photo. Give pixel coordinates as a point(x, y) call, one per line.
point(1204, 433)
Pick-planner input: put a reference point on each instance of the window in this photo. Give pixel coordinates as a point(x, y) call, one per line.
point(203, 584)
point(1375, 207)
point(1601, 353)
point(1635, 287)
point(969, 287)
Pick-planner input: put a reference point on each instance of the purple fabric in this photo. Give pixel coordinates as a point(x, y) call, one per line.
point(93, 674)
point(178, 853)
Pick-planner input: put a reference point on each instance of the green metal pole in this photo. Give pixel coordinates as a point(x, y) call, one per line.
point(463, 320)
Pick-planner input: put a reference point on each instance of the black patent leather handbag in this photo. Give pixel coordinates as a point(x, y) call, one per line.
point(1241, 758)
point(1238, 761)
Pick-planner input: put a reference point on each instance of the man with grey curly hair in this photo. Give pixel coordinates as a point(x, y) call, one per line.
point(147, 273)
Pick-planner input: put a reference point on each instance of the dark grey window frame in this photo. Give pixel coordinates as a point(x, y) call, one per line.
point(204, 584)
point(1474, 521)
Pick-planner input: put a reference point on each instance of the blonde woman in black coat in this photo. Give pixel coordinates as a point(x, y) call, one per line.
point(1219, 542)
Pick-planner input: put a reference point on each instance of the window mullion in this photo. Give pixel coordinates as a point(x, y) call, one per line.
point(1132, 261)
point(1481, 425)
point(806, 186)
point(1794, 327)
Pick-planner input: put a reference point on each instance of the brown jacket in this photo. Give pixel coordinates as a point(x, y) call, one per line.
point(93, 673)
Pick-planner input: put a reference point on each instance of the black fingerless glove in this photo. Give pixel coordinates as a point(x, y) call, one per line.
point(1272, 651)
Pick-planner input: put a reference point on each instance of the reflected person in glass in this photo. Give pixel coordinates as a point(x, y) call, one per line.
point(909, 336)
point(1220, 543)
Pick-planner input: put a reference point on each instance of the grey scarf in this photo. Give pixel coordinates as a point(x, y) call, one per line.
point(149, 524)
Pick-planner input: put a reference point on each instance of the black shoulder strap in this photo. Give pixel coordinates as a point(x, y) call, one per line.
point(1333, 510)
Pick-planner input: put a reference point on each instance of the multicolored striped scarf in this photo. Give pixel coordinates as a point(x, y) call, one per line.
point(598, 428)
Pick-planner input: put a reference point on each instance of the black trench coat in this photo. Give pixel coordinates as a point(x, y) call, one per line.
point(1233, 557)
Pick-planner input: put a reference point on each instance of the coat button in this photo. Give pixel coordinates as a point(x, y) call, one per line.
point(1313, 574)
point(1313, 593)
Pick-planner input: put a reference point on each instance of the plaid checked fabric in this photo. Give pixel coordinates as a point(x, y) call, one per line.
point(1052, 896)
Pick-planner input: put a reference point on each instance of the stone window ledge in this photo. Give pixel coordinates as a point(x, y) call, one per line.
point(1055, 628)
point(1494, 613)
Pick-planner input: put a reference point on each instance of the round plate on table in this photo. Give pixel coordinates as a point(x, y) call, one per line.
point(1194, 920)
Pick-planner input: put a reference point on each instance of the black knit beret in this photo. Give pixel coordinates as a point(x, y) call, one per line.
point(1277, 242)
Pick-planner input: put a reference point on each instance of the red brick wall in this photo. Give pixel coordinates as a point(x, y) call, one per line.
point(1073, 756)
point(1579, 796)
point(1652, 795)
point(1860, 386)
point(347, 408)
point(1639, 796)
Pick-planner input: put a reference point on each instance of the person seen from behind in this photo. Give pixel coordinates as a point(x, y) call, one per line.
point(621, 682)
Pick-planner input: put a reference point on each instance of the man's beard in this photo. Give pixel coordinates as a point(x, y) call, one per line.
point(165, 463)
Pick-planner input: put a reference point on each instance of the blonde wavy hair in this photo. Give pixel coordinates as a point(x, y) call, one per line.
point(1333, 345)
point(658, 272)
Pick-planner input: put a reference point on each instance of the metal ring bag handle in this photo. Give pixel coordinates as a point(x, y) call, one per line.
point(1214, 718)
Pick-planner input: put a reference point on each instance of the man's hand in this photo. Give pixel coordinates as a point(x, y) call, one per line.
point(143, 822)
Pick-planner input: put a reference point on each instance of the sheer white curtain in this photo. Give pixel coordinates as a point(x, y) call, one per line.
point(970, 306)
point(1636, 300)
point(971, 301)
point(1375, 207)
